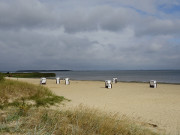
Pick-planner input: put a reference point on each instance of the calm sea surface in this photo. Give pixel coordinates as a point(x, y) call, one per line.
point(165, 76)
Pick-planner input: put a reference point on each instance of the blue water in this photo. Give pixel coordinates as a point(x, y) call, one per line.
point(164, 76)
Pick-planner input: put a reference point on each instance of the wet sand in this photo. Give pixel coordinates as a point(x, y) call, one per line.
point(154, 106)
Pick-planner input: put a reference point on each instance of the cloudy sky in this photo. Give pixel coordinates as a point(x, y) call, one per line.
point(89, 34)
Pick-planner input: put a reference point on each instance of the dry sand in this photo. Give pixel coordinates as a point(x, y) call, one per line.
point(158, 106)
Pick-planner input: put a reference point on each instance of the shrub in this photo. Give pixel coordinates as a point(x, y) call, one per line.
point(30, 75)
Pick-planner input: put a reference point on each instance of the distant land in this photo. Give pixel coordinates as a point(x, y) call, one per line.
point(42, 70)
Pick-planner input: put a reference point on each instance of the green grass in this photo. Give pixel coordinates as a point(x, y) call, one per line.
point(30, 75)
point(15, 93)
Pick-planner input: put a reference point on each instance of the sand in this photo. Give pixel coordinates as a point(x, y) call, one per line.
point(154, 106)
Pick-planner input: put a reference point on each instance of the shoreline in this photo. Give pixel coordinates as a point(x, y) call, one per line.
point(53, 78)
point(119, 81)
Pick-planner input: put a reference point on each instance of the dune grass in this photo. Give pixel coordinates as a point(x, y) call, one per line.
point(1, 77)
point(15, 93)
point(80, 121)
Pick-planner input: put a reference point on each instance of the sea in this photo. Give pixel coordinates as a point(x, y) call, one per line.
point(162, 76)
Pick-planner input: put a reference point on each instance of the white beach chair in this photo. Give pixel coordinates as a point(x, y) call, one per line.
point(108, 84)
point(57, 80)
point(43, 80)
point(114, 80)
point(67, 82)
point(153, 84)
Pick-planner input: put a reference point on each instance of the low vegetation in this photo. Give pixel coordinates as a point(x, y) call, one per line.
point(21, 113)
point(30, 75)
point(1, 77)
point(81, 121)
point(15, 93)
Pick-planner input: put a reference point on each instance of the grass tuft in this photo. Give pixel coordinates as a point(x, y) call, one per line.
point(80, 121)
point(1, 77)
point(15, 93)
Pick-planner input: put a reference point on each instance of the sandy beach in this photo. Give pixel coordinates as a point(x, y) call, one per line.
point(154, 106)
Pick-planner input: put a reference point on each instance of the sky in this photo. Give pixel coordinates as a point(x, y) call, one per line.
point(89, 34)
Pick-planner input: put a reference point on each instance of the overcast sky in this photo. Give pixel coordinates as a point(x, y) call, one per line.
point(89, 34)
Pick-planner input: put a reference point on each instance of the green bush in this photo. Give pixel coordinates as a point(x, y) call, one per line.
point(30, 75)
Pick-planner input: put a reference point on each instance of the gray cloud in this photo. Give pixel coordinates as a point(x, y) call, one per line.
point(154, 27)
point(104, 17)
point(100, 34)
point(24, 14)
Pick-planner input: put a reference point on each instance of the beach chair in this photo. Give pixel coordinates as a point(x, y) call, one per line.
point(108, 84)
point(57, 80)
point(43, 81)
point(153, 84)
point(67, 82)
point(114, 80)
